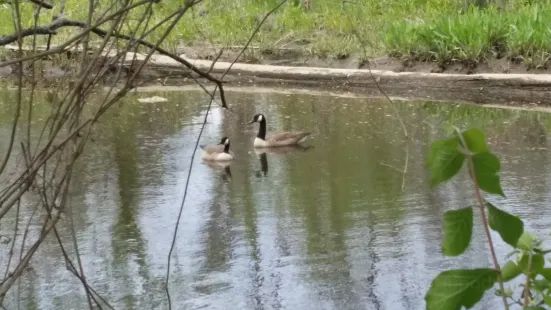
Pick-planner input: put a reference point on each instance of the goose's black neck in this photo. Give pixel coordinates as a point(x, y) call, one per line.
point(227, 148)
point(262, 130)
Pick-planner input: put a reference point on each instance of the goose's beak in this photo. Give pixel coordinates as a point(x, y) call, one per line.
point(250, 122)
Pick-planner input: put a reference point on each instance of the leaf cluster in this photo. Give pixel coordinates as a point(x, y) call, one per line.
point(458, 288)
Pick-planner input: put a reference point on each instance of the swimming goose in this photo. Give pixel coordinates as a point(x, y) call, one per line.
point(275, 139)
point(218, 152)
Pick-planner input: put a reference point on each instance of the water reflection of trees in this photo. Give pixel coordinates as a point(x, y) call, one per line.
point(348, 177)
point(126, 238)
point(334, 207)
point(331, 184)
point(127, 142)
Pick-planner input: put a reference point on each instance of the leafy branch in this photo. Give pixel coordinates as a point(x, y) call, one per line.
point(457, 288)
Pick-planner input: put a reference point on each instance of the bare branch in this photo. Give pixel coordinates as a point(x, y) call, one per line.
point(8, 282)
point(63, 22)
point(49, 164)
point(19, 39)
point(42, 4)
point(70, 41)
point(41, 30)
point(242, 51)
point(377, 82)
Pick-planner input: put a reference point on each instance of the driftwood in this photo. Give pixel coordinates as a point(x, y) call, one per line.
point(483, 88)
point(478, 88)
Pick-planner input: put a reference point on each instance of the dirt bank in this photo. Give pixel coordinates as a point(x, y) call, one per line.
point(283, 69)
point(300, 57)
point(290, 67)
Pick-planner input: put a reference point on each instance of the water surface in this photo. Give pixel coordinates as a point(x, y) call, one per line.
point(329, 227)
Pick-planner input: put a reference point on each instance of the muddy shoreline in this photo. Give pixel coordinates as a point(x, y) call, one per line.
point(292, 68)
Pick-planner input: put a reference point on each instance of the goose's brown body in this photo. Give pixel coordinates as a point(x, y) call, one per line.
point(276, 139)
point(218, 152)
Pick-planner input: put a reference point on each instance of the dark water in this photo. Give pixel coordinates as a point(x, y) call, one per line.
point(325, 228)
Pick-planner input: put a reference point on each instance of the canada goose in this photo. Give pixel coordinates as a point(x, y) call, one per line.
point(218, 152)
point(275, 139)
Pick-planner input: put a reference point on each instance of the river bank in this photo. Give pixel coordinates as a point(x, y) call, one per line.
point(499, 82)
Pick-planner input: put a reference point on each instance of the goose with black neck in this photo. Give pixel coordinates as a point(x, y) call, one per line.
point(218, 152)
point(275, 139)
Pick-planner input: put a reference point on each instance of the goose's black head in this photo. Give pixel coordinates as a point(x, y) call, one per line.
point(225, 141)
point(258, 118)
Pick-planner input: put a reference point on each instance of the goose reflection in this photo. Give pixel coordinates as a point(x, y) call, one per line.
point(221, 165)
point(263, 164)
point(263, 157)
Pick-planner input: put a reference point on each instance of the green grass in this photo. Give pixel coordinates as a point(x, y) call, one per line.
point(422, 30)
point(522, 34)
point(324, 29)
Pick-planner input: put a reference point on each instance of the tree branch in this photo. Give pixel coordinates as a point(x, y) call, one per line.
point(63, 22)
point(47, 29)
point(42, 4)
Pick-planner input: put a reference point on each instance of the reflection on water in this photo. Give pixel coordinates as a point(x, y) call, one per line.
point(327, 226)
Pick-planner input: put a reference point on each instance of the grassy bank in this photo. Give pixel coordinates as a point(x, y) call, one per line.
point(326, 28)
point(411, 30)
point(522, 35)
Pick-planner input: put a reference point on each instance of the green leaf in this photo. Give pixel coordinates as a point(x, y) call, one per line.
point(444, 160)
point(510, 271)
point(452, 289)
point(486, 168)
point(540, 285)
point(509, 227)
point(546, 273)
point(458, 228)
point(526, 241)
point(475, 140)
point(547, 299)
point(536, 265)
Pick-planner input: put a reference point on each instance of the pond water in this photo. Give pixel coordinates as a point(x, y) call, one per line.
point(334, 226)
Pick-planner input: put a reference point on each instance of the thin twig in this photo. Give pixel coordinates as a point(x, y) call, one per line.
point(390, 166)
point(68, 42)
point(67, 112)
point(406, 161)
point(404, 172)
point(33, 82)
point(375, 79)
point(182, 205)
point(63, 22)
point(14, 238)
point(481, 207)
point(7, 282)
point(193, 157)
point(255, 31)
point(118, 96)
point(63, 183)
point(252, 36)
point(19, 37)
